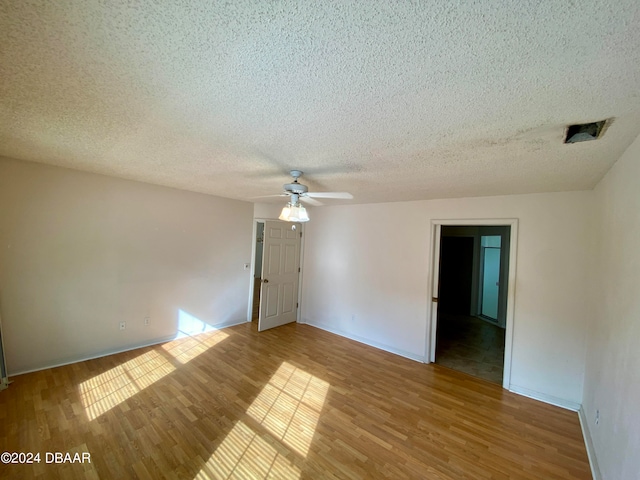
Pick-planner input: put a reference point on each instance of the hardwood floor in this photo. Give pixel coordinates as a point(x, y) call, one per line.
point(293, 402)
point(470, 345)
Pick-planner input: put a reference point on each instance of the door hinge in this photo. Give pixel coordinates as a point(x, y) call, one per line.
point(300, 234)
point(298, 269)
point(296, 305)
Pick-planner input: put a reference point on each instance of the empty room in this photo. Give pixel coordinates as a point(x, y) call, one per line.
point(333, 239)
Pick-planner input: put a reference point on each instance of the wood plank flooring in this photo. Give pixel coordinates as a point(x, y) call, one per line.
point(293, 402)
point(470, 345)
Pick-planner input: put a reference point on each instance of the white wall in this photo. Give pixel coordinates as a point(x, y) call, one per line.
point(81, 252)
point(268, 210)
point(371, 261)
point(612, 382)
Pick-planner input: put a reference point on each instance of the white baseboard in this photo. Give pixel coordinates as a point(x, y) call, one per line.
point(105, 353)
point(209, 328)
point(543, 397)
point(366, 341)
point(591, 452)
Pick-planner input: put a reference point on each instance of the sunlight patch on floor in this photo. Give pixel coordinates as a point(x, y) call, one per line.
point(244, 454)
point(103, 392)
point(190, 341)
point(188, 348)
point(289, 406)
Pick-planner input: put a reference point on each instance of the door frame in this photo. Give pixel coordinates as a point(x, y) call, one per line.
point(4, 375)
point(434, 278)
point(254, 241)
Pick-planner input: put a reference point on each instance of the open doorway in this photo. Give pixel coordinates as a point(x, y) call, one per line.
point(257, 271)
point(471, 312)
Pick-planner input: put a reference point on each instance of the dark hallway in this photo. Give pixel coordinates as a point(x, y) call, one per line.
point(464, 341)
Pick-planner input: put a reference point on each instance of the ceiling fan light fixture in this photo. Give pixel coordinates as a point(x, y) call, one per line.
point(294, 212)
point(286, 211)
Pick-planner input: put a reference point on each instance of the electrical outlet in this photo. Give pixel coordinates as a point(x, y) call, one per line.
point(146, 321)
point(123, 325)
point(597, 417)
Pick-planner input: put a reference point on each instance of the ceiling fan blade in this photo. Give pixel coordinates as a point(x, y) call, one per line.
point(344, 195)
point(269, 196)
point(310, 201)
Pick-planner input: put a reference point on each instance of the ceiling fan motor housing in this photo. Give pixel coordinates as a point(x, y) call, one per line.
point(295, 188)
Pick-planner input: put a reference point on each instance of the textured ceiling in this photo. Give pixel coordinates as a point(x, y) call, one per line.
point(387, 100)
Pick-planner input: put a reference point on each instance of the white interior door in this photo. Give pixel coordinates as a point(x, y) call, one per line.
point(280, 270)
point(490, 282)
point(490, 258)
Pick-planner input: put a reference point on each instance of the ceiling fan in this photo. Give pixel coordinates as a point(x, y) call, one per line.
point(298, 192)
point(302, 191)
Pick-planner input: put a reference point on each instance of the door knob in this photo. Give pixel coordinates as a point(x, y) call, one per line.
point(265, 281)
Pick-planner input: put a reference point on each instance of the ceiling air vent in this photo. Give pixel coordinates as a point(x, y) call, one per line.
point(584, 132)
